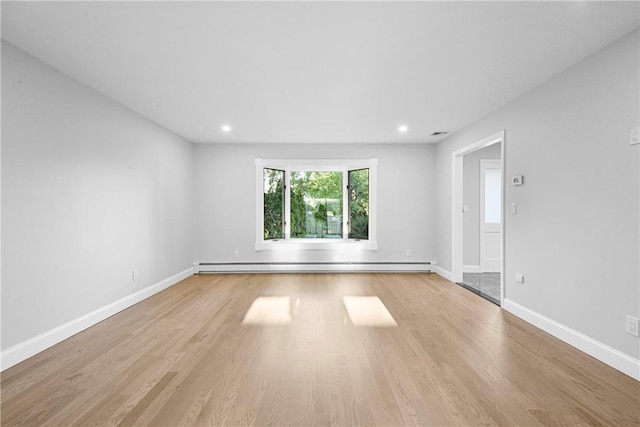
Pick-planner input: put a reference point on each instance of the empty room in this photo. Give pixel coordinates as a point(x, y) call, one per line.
point(320, 213)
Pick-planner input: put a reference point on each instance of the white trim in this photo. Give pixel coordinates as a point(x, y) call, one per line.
point(320, 244)
point(314, 267)
point(35, 345)
point(444, 273)
point(373, 203)
point(286, 207)
point(345, 201)
point(457, 201)
point(612, 357)
point(471, 269)
point(316, 164)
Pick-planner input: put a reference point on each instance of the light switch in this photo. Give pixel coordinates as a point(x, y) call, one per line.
point(465, 209)
point(514, 208)
point(519, 278)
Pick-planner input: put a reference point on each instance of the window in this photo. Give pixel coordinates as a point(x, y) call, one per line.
point(315, 203)
point(492, 195)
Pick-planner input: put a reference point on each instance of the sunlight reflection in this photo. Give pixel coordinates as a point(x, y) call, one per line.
point(268, 311)
point(368, 311)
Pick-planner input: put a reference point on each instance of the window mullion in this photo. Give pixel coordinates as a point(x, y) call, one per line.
point(345, 204)
point(287, 203)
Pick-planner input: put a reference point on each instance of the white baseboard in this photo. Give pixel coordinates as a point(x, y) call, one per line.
point(612, 357)
point(35, 345)
point(471, 269)
point(318, 267)
point(444, 273)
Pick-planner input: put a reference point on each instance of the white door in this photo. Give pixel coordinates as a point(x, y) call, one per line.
point(490, 215)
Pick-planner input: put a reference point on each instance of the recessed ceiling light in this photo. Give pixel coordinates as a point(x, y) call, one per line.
point(403, 129)
point(226, 128)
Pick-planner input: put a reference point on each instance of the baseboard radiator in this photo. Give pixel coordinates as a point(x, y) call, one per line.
point(313, 267)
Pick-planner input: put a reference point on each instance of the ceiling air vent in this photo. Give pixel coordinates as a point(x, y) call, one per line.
point(439, 133)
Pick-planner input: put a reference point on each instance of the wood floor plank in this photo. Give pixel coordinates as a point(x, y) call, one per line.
point(184, 357)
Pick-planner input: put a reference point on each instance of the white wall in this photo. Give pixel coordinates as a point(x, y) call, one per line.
point(226, 206)
point(471, 198)
point(576, 235)
point(90, 190)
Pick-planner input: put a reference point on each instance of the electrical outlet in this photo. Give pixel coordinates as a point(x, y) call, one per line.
point(408, 252)
point(236, 253)
point(134, 274)
point(635, 136)
point(631, 326)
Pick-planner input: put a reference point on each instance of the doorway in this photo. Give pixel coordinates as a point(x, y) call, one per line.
point(478, 217)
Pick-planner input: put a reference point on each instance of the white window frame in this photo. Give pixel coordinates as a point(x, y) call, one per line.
point(320, 165)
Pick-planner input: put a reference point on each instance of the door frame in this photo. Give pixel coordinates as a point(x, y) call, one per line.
point(457, 203)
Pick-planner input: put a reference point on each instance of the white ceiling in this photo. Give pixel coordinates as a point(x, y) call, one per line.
point(314, 71)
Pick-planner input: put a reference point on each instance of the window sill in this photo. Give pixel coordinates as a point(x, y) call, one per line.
point(317, 244)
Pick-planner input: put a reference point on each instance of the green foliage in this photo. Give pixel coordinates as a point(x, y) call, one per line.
point(273, 204)
point(298, 226)
point(324, 185)
point(359, 204)
point(320, 215)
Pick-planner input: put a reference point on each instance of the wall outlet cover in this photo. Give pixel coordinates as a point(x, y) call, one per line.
point(635, 136)
point(631, 326)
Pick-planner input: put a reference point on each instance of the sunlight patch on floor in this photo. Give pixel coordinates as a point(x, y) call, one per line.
point(368, 311)
point(269, 311)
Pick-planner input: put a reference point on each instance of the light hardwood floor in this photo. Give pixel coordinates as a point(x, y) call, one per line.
point(183, 357)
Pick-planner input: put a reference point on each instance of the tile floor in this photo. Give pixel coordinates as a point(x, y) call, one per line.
point(486, 285)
